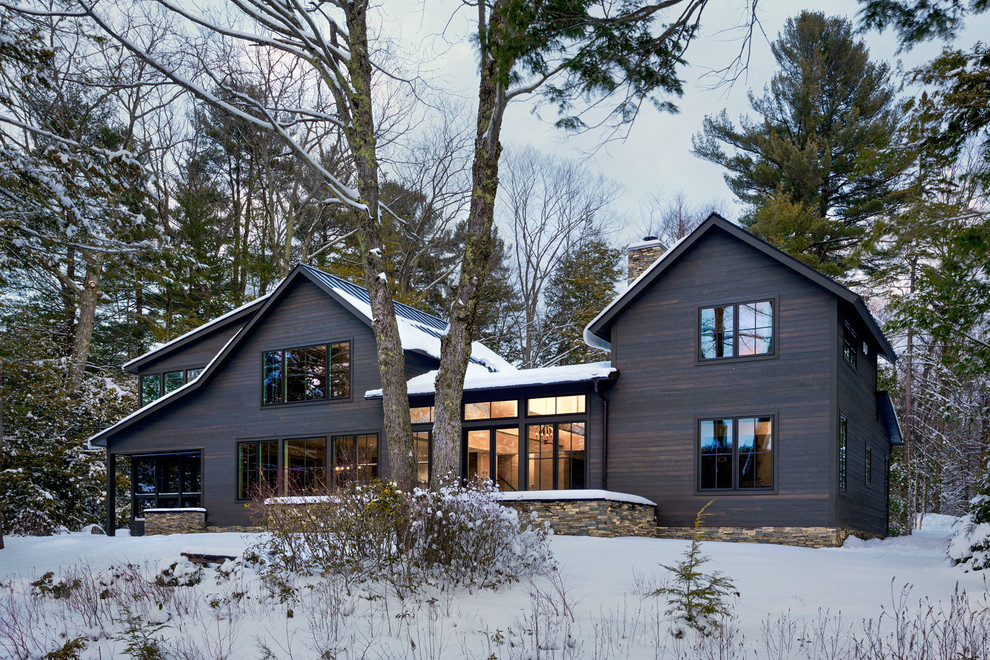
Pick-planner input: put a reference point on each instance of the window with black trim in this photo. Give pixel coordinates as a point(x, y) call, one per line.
point(555, 456)
point(736, 330)
point(843, 443)
point(165, 481)
point(736, 453)
point(306, 373)
point(422, 443)
point(155, 386)
point(869, 466)
point(849, 342)
point(298, 466)
point(355, 458)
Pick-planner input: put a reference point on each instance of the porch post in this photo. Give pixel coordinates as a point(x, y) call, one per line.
point(111, 521)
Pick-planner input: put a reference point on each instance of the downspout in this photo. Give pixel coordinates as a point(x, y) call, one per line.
point(601, 395)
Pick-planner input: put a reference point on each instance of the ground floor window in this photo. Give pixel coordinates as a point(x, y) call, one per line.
point(493, 453)
point(355, 458)
point(294, 466)
point(736, 453)
point(165, 481)
point(422, 446)
point(556, 456)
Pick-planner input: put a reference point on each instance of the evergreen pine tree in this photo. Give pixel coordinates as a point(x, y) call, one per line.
point(821, 144)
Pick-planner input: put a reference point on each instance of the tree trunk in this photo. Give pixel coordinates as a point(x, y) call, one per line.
point(391, 361)
point(455, 346)
point(88, 300)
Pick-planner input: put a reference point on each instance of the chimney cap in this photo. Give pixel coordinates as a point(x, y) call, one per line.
point(647, 242)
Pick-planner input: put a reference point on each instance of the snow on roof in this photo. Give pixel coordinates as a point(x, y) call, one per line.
point(160, 401)
point(574, 373)
point(209, 324)
point(418, 331)
point(589, 494)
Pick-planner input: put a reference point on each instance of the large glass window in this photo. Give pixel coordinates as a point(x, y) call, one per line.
point(304, 465)
point(165, 481)
point(258, 471)
point(736, 453)
point(355, 458)
point(556, 455)
point(735, 330)
point(306, 373)
point(494, 452)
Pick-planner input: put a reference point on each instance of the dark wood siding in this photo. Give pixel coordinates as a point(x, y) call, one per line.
point(229, 407)
point(663, 389)
point(863, 506)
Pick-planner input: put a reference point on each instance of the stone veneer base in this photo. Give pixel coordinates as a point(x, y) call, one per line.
point(179, 521)
point(604, 518)
point(805, 537)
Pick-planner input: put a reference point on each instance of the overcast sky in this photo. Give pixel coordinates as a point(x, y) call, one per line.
point(656, 156)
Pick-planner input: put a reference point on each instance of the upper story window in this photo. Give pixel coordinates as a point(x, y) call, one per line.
point(736, 330)
point(736, 453)
point(849, 346)
point(155, 386)
point(307, 373)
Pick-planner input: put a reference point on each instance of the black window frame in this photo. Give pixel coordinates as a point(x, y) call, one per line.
point(869, 465)
point(555, 457)
point(160, 375)
point(280, 454)
point(187, 457)
point(850, 350)
point(492, 431)
point(843, 471)
point(735, 305)
point(332, 372)
point(735, 488)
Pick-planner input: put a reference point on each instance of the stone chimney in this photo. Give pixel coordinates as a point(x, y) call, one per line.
point(641, 256)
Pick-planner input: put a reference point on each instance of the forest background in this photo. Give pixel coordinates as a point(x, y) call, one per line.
point(132, 211)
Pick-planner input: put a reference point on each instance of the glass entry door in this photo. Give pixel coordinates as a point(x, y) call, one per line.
point(493, 454)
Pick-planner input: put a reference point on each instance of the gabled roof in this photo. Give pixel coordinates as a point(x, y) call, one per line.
point(597, 334)
point(419, 332)
point(240, 314)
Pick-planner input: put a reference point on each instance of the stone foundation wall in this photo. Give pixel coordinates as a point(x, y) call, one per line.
point(174, 521)
point(603, 518)
point(806, 537)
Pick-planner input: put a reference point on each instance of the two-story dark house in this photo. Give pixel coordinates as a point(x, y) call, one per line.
point(737, 374)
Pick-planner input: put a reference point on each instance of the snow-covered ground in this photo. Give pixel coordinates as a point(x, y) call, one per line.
point(596, 609)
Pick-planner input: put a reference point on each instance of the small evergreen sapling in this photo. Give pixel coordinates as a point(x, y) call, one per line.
point(695, 597)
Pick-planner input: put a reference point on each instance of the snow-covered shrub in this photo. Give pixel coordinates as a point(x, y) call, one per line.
point(970, 545)
point(456, 535)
